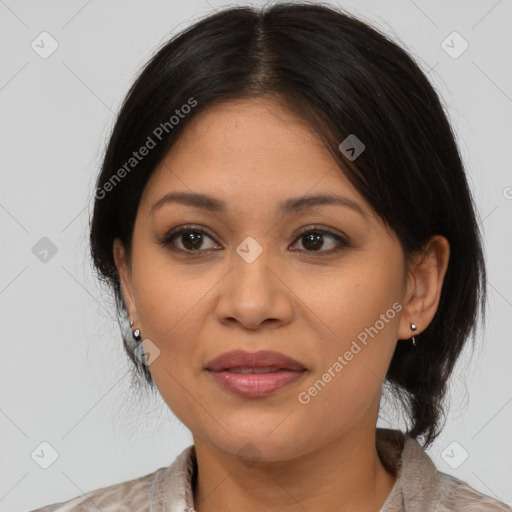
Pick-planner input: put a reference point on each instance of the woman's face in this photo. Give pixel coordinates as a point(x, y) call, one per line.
point(253, 282)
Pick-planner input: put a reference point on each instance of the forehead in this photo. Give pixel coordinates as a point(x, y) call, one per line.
point(252, 150)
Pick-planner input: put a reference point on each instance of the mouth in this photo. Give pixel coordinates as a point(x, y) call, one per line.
point(254, 374)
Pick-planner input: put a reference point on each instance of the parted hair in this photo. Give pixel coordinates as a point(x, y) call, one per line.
point(343, 77)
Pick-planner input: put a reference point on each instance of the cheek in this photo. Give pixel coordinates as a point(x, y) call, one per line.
point(357, 298)
point(165, 297)
point(172, 311)
point(362, 312)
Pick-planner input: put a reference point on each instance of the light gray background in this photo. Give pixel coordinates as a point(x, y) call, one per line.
point(64, 378)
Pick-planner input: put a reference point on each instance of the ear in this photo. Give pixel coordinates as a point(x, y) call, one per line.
point(124, 271)
point(424, 284)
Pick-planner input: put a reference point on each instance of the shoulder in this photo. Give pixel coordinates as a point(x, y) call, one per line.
point(454, 494)
point(421, 486)
point(168, 485)
point(122, 497)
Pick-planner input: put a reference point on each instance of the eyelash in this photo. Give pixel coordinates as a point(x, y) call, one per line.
point(171, 235)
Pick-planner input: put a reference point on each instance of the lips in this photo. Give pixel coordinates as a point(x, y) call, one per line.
point(254, 374)
point(264, 361)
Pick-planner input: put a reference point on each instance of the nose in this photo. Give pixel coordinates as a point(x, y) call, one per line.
point(255, 295)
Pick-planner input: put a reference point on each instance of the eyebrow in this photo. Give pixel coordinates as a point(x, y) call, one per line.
point(287, 207)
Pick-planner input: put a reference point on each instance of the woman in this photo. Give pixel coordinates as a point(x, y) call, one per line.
point(285, 220)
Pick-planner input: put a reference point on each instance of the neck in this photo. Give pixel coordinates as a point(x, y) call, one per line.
point(345, 474)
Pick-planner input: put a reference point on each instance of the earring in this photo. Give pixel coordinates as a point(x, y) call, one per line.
point(136, 332)
point(413, 328)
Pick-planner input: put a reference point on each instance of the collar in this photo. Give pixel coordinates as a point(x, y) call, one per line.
point(401, 455)
point(414, 470)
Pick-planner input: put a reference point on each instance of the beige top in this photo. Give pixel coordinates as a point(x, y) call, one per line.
point(419, 486)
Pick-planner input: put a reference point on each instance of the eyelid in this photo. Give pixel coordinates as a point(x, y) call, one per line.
point(321, 229)
point(168, 237)
point(341, 238)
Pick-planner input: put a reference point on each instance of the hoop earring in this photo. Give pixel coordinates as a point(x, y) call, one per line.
point(413, 328)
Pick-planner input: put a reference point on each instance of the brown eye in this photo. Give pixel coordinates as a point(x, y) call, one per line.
point(313, 241)
point(189, 240)
point(316, 240)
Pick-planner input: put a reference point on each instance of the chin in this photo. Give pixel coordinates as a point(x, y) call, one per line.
point(268, 444)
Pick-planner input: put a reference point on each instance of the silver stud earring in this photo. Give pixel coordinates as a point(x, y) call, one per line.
point(136, 332)
point(413, 328)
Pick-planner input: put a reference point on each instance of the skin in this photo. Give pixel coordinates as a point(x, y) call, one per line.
point(307, 304)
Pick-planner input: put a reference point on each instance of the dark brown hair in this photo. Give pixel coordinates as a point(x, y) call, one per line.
point(343, 77)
